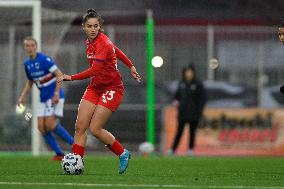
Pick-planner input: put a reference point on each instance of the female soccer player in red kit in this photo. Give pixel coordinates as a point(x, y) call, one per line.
point(105, 91)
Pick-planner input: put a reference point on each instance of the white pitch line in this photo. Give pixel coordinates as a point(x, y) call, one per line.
point(139, 185)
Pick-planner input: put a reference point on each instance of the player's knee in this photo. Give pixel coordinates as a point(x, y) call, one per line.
point(96, 132)
point(49, 125)
point(80, 128)
point(49, 128)
point(41, 129)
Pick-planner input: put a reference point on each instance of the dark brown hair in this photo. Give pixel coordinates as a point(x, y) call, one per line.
point(91, 13)
point(281, 25)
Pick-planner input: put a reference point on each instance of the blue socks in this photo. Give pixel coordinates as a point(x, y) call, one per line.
point(61, 131)
point(50, 140)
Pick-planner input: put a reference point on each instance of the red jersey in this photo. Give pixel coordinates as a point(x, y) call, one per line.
point(101, 55)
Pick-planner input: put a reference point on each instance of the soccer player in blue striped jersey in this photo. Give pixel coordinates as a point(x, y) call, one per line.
point(42, 71)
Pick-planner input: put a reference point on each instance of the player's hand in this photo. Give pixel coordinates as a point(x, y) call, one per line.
point(21, 100)
point(63, 77)
point(135, 74)
point(55, 98)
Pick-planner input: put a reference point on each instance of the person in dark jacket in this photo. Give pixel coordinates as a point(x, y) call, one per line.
point(190, 98)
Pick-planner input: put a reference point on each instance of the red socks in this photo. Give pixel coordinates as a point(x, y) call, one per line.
point(77, 149)
point(116, 148)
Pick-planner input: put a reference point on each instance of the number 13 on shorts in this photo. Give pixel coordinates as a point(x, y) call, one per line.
point(107, 96)
point(111, 99)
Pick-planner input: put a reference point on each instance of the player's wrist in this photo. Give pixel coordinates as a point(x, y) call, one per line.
point(132, 67)
point(22, 98)
point(71, 77)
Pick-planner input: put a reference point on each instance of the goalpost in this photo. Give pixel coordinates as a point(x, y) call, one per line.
point(35, 5)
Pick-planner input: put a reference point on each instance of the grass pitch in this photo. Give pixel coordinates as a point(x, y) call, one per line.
point(145, 172)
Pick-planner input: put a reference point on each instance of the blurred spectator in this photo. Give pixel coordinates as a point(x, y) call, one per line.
point(190, 99)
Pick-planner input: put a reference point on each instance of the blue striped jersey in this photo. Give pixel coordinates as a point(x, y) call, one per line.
point(40, 71)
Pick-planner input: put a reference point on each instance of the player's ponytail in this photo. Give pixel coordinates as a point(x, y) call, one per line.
point(91, 13)
point(281, 25)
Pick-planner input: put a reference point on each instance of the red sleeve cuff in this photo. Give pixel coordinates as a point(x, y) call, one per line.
point(76, 77)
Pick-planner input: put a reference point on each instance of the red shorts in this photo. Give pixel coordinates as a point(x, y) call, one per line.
point(109, 98)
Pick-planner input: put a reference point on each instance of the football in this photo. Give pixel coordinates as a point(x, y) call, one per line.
point(146, 148)
point(72, 164)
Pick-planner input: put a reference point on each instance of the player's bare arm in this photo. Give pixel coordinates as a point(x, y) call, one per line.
point(25, 92)
point(55, 98)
